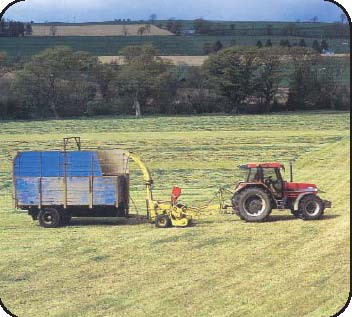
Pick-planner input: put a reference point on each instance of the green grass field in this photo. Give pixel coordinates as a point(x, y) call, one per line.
point(219, 267)
point(167, 45)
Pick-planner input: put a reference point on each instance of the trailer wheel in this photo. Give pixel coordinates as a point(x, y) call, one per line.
point(162, 221)
point(33, 212)
point(49, 218)
point(311, 207)
point(254, 205)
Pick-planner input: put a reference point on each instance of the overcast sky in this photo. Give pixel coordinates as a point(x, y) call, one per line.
point(240, 10)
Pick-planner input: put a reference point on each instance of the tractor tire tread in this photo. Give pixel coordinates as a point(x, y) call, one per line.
point(247, 193)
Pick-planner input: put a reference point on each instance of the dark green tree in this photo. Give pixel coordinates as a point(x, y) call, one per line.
point(174, 26)
point(302, 43)
point(316, 46)
point(56, 82)
point(330, 72)
point(268, 43)
point(269, 76)
point(201, 26)
point(285, 43)
point(232, 73)
point(142, 76)
point(218, 46)
point(304, 84)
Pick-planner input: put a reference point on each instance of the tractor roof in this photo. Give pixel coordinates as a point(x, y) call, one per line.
point(264, 165)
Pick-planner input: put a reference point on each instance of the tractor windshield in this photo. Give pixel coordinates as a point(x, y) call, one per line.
point(270, 173)
point(253, 175)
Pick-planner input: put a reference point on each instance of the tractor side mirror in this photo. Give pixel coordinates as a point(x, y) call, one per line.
point(176, 193)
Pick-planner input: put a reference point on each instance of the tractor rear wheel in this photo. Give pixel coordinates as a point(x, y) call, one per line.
point(162, 221)
point(49, 218)
point(235, 205)
point(254, 205)
point(311, 207)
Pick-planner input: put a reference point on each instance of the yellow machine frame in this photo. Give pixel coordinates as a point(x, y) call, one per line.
point(179, 215)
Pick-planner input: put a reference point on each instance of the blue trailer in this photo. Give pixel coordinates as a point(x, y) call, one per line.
point(57, 185)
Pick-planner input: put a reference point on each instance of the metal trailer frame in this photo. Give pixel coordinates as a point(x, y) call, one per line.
point(75, 195)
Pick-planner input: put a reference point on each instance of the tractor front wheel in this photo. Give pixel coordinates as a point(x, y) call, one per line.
point(254, 205)
point(162, 221)
point(311, 207)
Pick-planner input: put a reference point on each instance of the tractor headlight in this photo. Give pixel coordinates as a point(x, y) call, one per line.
point(312, 189)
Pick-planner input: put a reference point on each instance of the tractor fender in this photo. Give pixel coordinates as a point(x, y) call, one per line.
point(298, 199)
point(258, 185)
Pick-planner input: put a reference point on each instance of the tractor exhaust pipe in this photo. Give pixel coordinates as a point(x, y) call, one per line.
point(291, 171)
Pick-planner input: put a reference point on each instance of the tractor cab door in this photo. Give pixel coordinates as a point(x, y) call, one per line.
point(273, 179)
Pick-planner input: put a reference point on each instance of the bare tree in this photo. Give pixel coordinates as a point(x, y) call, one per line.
point(147, 28)
point(28, 29)
point(343, 18)
point(124, 30)
point(152, 18)
point(53, 30)
point(141, 30)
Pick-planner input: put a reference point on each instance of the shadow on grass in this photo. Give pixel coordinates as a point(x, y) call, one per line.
point(137, 221)
point(327, 217)
point(107, 222)
point(275, 218)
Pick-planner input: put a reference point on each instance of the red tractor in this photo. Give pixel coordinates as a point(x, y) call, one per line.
point(265, 189)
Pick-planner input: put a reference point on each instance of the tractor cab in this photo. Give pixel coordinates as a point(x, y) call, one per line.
point(266, 173)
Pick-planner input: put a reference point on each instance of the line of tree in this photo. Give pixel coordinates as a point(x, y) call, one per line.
point(334, 30)
point(174, 26)
point(60, 82)
point(209, 48)
point(318, 47)
point(11, 28)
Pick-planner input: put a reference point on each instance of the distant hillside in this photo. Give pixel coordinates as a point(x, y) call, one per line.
point(166, 45)
point(263, 28)
point(96, 30)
